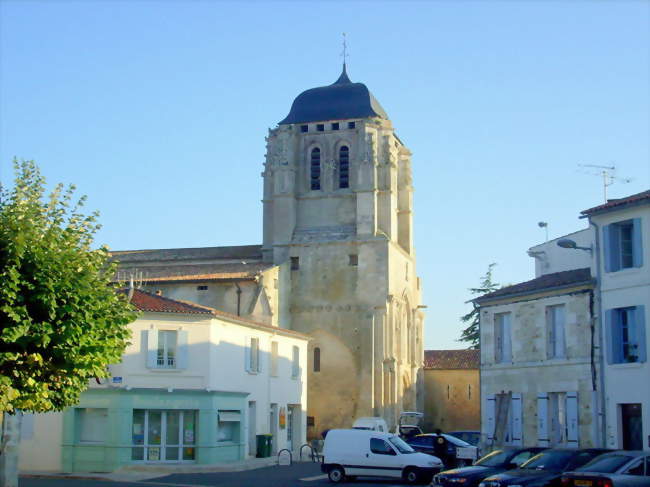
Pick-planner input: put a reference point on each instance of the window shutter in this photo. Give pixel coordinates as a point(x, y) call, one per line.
point(612, 335)
point(516, 407)
point(247, 354)
point(639, 320)
point(612, 248)
point(152, 348)
point(559, 331)
point(542, 419)
point(572, 423)
point(490, 413)
point(637, 246)
point(182, 347)
point(507, 338)
point(498, 339)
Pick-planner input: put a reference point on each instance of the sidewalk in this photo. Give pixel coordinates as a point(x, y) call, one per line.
point(138, 473)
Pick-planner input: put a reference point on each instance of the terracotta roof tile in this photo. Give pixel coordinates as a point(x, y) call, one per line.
point(153, 303)
point(158, 304)
point(611, 204)
point(452, 359)
point(545, 282)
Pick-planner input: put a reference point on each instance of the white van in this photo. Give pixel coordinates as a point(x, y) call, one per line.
point(371, 423)
point(352, 453)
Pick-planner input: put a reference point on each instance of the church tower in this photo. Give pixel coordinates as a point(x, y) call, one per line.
point(338, 220)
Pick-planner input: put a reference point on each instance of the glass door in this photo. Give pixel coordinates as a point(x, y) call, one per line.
point(163, 436)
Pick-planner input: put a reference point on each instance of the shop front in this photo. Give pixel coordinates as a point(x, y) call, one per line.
point(110, 428)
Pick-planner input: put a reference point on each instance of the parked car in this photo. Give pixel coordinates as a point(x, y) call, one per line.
point(453, 451)
point(365, 453)
point(495, 462)
point(408, 424)
point(616, 469)
point(544, 469)
point(371, 423)
point(471, 437)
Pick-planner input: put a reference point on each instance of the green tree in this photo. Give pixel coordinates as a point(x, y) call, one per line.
point(471, 334)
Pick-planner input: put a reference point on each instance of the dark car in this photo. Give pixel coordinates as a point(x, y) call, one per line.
point(471, 437)
point(495, 462)
point(452, 451)
point(544, 469)
point(615, 469)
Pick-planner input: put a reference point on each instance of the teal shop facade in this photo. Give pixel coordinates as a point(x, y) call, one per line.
point(110, 428)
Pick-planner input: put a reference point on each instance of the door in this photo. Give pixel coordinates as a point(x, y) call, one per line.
point(252, 429)
point(632, 426)
point(381, 460)
point(273, 422)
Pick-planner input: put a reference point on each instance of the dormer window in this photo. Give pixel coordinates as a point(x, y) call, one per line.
point(344, 167)
point(315, 168)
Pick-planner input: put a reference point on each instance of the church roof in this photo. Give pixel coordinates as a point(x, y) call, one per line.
point(184, 254)
point(341, 100)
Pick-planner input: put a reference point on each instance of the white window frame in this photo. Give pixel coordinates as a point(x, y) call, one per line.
point(162, 447)
point(295, 362)
point(274, 358)
point(556, 329)
point(164, 360)
point(503, 337)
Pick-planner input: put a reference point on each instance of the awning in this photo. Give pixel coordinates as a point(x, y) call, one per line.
point(231, 416)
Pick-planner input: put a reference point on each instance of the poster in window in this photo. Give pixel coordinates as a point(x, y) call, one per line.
point(154, 453)
point(283, 417)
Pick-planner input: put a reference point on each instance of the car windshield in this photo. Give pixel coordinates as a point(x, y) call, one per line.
point(401, 445)
point(456, 441)
point(605, 464)
point(493, 459)
point(549, 460)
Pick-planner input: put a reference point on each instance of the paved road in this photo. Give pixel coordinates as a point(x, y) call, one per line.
point(298, 475)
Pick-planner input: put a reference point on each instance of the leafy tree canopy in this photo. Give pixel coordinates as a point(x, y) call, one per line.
point(472, 334)
point(61, 320)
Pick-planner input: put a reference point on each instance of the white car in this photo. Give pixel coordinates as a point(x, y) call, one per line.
point(363, 453)
point(371, 423)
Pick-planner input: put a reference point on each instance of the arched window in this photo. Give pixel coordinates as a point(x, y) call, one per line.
point(316, 359)
point(315, 168)
point(344, 167)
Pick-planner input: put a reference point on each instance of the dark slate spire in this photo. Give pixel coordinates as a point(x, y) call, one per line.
point(341, 100)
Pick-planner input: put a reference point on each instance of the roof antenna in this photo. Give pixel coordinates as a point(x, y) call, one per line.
point(608, 173)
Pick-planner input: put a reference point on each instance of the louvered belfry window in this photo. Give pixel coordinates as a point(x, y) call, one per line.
point(344, 167)
point(315, 168)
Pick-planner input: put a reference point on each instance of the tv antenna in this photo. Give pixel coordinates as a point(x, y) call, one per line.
point(608, 173)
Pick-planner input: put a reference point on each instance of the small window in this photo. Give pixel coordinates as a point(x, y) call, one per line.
point(201, 288)
point(335, 126)
point(304, 128)
point(315, 168)
point(351, 125)
point(354, 259)
point(295, 263)
point(380, 447)
point(310, 421)
point(317, 359)
point(502, 338)
point(253, 358)
point(166, 354)
point(555, 330)
point(344, 167)
point(320, 127)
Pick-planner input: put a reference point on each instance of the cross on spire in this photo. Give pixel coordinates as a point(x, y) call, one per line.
point(344, 54)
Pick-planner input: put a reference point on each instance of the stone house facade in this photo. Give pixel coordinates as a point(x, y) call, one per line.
point(538, 362)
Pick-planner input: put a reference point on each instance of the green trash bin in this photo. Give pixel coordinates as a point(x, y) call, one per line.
point(264, 445)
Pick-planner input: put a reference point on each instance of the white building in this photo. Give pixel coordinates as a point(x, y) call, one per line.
point(195, 385)
point(622, 248)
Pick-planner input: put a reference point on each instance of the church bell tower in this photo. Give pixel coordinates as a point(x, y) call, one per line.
point(338, 221)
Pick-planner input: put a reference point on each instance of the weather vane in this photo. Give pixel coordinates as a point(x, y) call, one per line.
point(344, 54)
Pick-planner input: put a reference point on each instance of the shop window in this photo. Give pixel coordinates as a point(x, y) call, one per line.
point(228, 426)
point(92, 424)
point(163, 436)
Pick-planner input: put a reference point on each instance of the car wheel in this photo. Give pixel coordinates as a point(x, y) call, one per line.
point(336, 474)
point(411, 475)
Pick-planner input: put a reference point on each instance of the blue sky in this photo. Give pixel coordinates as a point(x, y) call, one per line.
point(158, 111)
